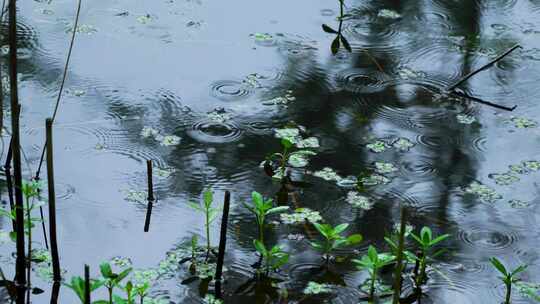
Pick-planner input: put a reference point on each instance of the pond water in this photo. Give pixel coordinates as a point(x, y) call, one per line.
point(199, 87)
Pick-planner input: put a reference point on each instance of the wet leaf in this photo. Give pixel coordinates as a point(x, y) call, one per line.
point(328, 29)
point(335, 45)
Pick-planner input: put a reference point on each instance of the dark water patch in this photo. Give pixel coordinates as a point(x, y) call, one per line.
point(488, 240)
point(357, 80)
point(208, 131)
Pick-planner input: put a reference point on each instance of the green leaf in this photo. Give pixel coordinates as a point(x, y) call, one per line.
point(417, 238)
point(372, 254)
point(287, 144)
point(322, 228)
point(439, 239)
point(208, 198)
point(335, 45)
point(426, 235)
point(328, 29)
point(122, 275)
point(106, 270)
point(277, 209)
point(354, 239)
point(521, 268)
point(195, 206)
point(498, 265)
point(316, 245)
point(259, 246)
point(345, 43)
point(257, 199)
point(340, 228)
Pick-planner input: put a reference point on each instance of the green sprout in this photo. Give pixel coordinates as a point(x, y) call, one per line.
point(78, 286)
point(508, 277)
point(373, 262)
point(210, 214)
point(333, 239)
point(111, 279)
point(273, 259)
point(261, 208)
point(427, 243)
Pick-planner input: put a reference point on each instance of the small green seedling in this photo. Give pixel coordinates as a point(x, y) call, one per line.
point(373, 262)
point(273, 259)
point(261, 208)
point(78, 286)
point(210, 214)
point(283, 157)
point(508, 277)
point(333, 239)
point(427, 243)
point(111, 279)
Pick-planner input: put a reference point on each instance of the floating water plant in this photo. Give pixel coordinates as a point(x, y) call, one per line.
point(357, 200)
point(373, 262)
point(328, 174)
point(523, 123)
point(165, 140)
point(262, 37)
point(272, 258)
point(387, 13)
point(210, 214)
point(465, 119)
point(509, 278)
point(301, 215)
point(280, 100)
point(403, 144)
point(170, 140)
point(427, 243)
point(333, 239)
point(262, 208)
point(314, 288)
point(372, 180)
point(529, 290)
point(144, 19)
point(135, 196)
point(219, 115)
point(210, 299)
point(484, 192)
point(300, 159)
point(378, 146)
point(385, 168)
point(518, 204)
point(504, 179)
point(149, 132)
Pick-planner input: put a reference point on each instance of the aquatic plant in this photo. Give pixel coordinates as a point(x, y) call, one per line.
point(314, 288)
point(357, 200)
point(333, 239)
point(112, 280)
point(508, 277)
point(210, 214)
point(78, 286)
point(272, 259)
point(261, 208)
point(427, 243)
point(301, 215)
point(373, 262)
point(484, 192)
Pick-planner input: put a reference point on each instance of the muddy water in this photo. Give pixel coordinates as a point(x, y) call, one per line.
point(200, 86)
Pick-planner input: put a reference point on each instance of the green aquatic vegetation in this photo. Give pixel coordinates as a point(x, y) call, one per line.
point(135, 196)
point(77, 285)
point(253, 80)
point(372, 180)
point(300, 159)
point(162, 172)
point(290, 134)
point(387, 13)
point(262, 208)
point(314, 288)
point(504, 179)
point(147, 132)
point(518, 204)
point(310, 142)
point(509, 278)
point(143, 281)
point(357, 200)
point(170, 140)
point(111, 280)
point(328, 174)
point(219, 115)
point(81, 29)
point(403, 144)
point(373, 262)
point(523, 123)
point(529, 290)
point(333, 239)
point(465, 119)
point(427, 243)
point(210, 299)
point(144, 19)
point(531, 165)
point(378, 146)
point(301, 215)
point(121, 262)
point(385, 168)
point(280, 100)
point(273, 258)
point(210, 215)
point(484, 192)
point(262, 37)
